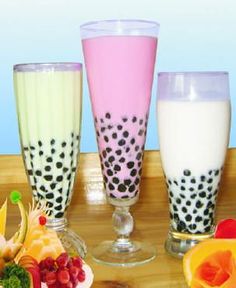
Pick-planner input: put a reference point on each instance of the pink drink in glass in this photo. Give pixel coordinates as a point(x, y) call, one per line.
point(120, 75)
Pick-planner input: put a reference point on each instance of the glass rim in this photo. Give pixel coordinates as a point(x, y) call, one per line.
point(193, 73)
point(48, 66)
point(119, 27)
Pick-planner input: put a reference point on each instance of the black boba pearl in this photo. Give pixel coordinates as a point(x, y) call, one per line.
point(59, 165)
point(206, 221)
point(72, 134)
point(60, 178)
point(200, 186)
point(109, 172)
point(105, 178)
point(111, 159)
point(188, 203)
point(71, 153)
point(101, 120)
point(60, 190)
point(175, 208)
point(52, 186)
point(103, 129)
point(59, 199)
point(208, 228)
point(49, 205)
point(134, 119)
point(62, 155)
point(125, 196)
point(191, 189)
point(115, 180)
point(73, 169)
point(124, 119)
point(210, 204)
point(121, 142)
point(42, 188)
point(114, 135)
point(210, 172)
point(104, 154)
point(178, 201)
point(58, 208)
point(48, 177)
point(132, 188)
point(98, 134)
point(171, 194)
point(110, 127)
point(127, 182)
point(137, 181)
point(139, 163)
point(184, 209)
point(125, 134)
point(194, 211)
point(193, 180)
point(188, 217)
point(140, 171)
point(176, 183)
point(32, 148)
point(40, 143)
point(30, 172)
point(140, 132)
point(122, 160)
point(127, 149)
point(203, 178)
point(202, 194)
point(112, 195)
point(192, 226)
point(63, 144)
point(176, 217)
point(133, 172)
point(106, 138)
point(107, 164)
point(187, 172)
point(130, 164)
point(183, 181)
point(40, 153)
point(31, 156)
point(59, 215)
point(132, 141)
point(199, 204)
point(121, 188)
point(65, 170)
point(108, 115)
point(118, 152)
point(193, 196)
point(169, 181)
point(119, 127)
point(198, 219)
point(209, 188)
point(111, 187)
point(181, 226)
point(53, 151)
point(108, 149)
point(140, 121)
point(210, 180)
point(206, 212)
point(182, 188)
point(217, 172)
point(38, 173)
point(117, 167)
point(47, 168)
point(136, 148)
point(33, 187)
point(139, 156)
point(52, 142)
point(35, 180)
point(49, 195)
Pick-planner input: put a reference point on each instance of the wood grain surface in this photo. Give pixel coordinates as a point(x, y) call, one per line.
point(90, 216)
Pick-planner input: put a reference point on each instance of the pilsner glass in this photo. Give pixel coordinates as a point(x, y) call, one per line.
point(193, 115)
point(120, 58)
point(49, 103)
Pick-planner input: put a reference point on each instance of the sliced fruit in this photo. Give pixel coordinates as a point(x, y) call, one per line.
point(196, 256)
point(3, 218)
point(32, 267)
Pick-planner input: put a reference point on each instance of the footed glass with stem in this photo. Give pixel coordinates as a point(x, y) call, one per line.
point(120, 59)
point(49, 103)
point(193, 116)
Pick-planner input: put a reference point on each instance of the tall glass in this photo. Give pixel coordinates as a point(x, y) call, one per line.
point(193, 115)
point(120, 58)
point(49, 103)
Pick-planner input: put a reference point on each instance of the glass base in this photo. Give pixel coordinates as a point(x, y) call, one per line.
point(73, 243)
point(127, 255)
point(177, 244)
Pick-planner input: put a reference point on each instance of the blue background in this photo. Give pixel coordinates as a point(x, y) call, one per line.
point(194, 36)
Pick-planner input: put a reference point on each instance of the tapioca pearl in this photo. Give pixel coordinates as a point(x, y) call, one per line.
point(122, 160)
point(171, 216)
point(40, 197)
point(209, 196)
point(139, 163)
point(52, 186)
point(49, 159)
point(48, 177)
point(125, 197)
point(59, 165)
point(109, 172)
point(98, 134)
point(198, 219)
point(42, 188)
point(202, 194)
point(192, 226)
point(132, 141)
point(111, 159)
point(184, 210)
point(105, 178)
point(40, 153)
point(31, 156)
point(60, 178)
point(30, 172)
point(215, 192)
point(108, 149)
point(188, 203)
point(125, 134)
point(115, 180)
point(121, 187)
point(109, 127)
point(117, 167)
point(118, 152)
point(171, 194)
point(176, 183)
point(71, 153)
point(183, 181)
point(25, 148)
point(130, 164)
point(140, 172)
point(140, 132)
point(191, 189)
point(112, 195)
point(209, 188)
point(121, 142)
point(60, 190)
point(102, 166)
point(137, 180)
point(131, 188)
point(133, 172)
point(106, 163)
point(106, 139)
point(195, 211)
point(111, 186)
point(127, 149)
point(63, 144)
point(58, 208)
point(59, 215)
point(40, 143)
point(139, 156)
point(181, 226)
point(52, 142)
point(134, 119)
point(208, 229)
point(33, 187)
point(200, 187)
point(119, 127)
point(210, 180)
point(136, 148)
point(62, 155)
point(210, 172)
point(193, 196)
point(124, 119)
point(65, 169)
point(187, 172)
point(108, 115)
point(49, 195)
point(170, 201)
point(188, 218)
point(217, 172)
point(182, 188)
point(199, 204)
point(178, 201)
point(73, 169)
point(140, 121)
point(127, 182)
point(175, 208)
point(103, 129)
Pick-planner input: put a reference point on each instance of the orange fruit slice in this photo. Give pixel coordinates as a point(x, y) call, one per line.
point(3, 218)
point(195, 256)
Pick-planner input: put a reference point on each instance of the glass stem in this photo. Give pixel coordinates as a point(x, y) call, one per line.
point(123, 224)
point(57, 224)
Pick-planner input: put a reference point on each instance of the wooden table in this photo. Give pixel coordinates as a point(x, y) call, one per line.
point(90, 216)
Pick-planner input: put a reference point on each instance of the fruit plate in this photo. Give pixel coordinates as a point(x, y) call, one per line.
point(88, 279)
